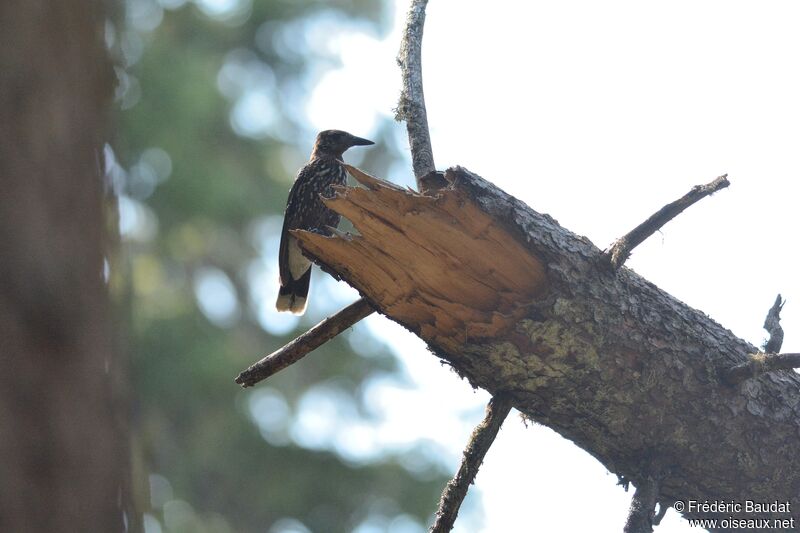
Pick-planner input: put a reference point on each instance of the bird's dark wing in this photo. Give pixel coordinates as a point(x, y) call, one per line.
point(304, 209)
point(290, 222)
point(283, 252)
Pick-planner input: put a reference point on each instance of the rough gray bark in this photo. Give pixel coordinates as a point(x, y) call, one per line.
point(62, 437)
point(631, 375)
point(411, 106)
point(608, 360)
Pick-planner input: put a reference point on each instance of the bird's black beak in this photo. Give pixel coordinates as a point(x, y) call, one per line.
point(358, 141)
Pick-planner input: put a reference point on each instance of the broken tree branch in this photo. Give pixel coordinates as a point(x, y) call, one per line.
point(411, 106)
point(512, 301)
point(761, 363)
point(479, 443)
point(305, 343)
point(642, 514)
point(773, 326)
point(622, 247)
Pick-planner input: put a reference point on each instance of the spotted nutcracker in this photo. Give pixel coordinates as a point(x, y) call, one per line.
point(305, 210)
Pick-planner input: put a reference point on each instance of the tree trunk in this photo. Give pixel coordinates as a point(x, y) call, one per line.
point(63, 444)
point(519, 305)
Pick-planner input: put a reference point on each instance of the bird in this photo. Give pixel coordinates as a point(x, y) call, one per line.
point(305, 210)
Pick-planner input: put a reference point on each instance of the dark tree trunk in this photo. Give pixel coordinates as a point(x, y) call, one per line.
point(62, 425)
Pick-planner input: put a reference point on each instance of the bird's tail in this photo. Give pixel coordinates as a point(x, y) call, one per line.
point(292, 296)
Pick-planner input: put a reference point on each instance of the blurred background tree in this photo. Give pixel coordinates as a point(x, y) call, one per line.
point(63, 389)
point(211, 131)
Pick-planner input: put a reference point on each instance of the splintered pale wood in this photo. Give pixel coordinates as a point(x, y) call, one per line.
point(439, 265)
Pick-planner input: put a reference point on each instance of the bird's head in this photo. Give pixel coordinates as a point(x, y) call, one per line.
point(334, 143)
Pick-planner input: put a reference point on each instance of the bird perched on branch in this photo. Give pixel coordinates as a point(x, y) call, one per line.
point(305, 210)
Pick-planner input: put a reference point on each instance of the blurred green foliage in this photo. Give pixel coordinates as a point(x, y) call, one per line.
point(211, 133)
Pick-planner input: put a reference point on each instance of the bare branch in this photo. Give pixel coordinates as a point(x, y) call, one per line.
point(411, 106)
point(622, 247)
point(479, 443)
point(305, 343)
point(773, 326)
point(478, 240)
point(761, 363)
point(642, 514)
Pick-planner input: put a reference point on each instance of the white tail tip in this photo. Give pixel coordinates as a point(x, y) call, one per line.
point(289, 302)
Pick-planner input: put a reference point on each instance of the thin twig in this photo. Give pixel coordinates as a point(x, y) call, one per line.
point(411, 106)
point(761, 363)
point(622, 247)
point(642, 513)
point(305, 343)
point(479, 443)
point(773, 326)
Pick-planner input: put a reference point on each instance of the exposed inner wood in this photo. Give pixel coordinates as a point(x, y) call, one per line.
point(439, 265)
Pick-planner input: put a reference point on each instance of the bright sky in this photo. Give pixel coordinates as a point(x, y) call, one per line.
point(597, 113)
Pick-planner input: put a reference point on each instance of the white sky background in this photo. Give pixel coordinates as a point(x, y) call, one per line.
point(598, 113)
